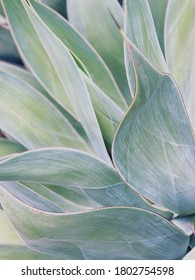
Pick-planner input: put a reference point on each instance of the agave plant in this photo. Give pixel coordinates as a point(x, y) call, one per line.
point(98, 160)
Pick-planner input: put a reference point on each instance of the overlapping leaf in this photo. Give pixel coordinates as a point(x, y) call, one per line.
point(31, 119)
point(60, 75)
point(103, 34)
point(179, 47)
point(154, 149)
point(83, 51)
point(99, 234)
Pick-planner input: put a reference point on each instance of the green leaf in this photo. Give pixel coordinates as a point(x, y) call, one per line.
point(22, 74)
point(63, 167)
point(185, 223)
point(11, 246)
point(180, 49)
point(83, 51)
point(140, 29)
point(154, 148)
point(74, 96)
point(75, 181)
point(31, 119)
point(98, 22)
point(112, 233)
point(107, 112)
point(158, 9)
point(8, 147)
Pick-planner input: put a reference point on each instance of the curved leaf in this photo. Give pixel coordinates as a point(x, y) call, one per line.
point(112, 233)
point(61, 74)
point(31, 119)
point(158, 9)
point(98, 21)
point(140, 29)
point(82, 50)
point(154, 149)
point(180, 49)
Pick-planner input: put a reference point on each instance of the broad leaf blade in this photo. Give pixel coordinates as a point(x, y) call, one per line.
point(112, 233)
point(180, 49)
point(98, 21)
point(31, 119)
point(82, 50)
point(52, 62)
point(140, 29)
point(154, 149)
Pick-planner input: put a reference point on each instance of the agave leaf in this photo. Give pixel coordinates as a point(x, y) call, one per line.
point(190, 255)
point(107, 112)
point(75, 97)
point(83, 51)
point(11, 246)
point(154, 148)
point(103, 34)
point(22, 74)
point(8, 234)
point(31, 119)
point(185, 223)
point(8, 147)
point(140, 29)
point(180, 46)
point(27, 77)
point(109, 233)
point(158, 9)
point(75, 181)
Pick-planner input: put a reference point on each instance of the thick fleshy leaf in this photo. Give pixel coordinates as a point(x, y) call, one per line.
point(185, 223)
point(22, 74)
point(60, 69)
point(108, 113)
point(103, 34)
point(31, 119)
point(63, 167)
point(190, 255)
point(140, 29)
point(158, 9)
point(75, 181)
point(109, 233)
point(11, 246)
point(180, 49)
point(83, 51)
point(8, 147)
point(154, 149)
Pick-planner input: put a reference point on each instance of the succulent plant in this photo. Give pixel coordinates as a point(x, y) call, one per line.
point(99, 160)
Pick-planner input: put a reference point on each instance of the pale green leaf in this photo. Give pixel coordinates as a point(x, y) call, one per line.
point(75, 181)
point(158, 9)
point(58, 5)
point(82, 50)
point(98, 22)
point(180, 49)
point(185, 223)
point(140, 29)
point(109, 233)
point(8, 147)
point(55, 57)
point(11, 246)
point(154, 149)
point(31, 119)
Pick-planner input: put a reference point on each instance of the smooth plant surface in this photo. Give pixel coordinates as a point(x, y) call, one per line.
point(97, 147)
